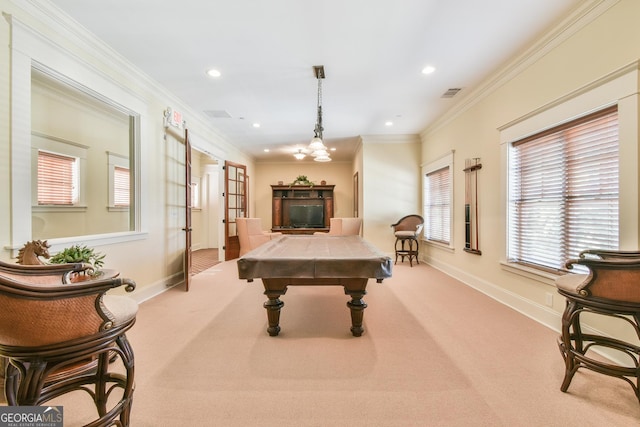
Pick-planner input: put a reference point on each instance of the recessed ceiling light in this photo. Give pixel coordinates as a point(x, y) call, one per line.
point(214, 73)
point(428, 69)
point(388, 123)
point(332, 149)
point(256, 125)
point(266, 150)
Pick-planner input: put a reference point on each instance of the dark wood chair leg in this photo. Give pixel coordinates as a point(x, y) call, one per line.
point(570, 319)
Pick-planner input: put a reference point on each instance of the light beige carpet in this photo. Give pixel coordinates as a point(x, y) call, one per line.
point(435, 353)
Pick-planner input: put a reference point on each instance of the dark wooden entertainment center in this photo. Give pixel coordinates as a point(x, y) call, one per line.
point(285, 196)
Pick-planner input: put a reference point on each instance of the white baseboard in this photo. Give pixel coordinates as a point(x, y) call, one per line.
point(157, 288)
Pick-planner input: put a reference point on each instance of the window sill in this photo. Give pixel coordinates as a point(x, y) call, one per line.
point(99, 239)
point(58, 208)
point(118, 208)
point(437, 245)
point(530, 273)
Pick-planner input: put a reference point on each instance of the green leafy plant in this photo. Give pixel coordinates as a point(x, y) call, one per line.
point(301, 179)
point(77, 253)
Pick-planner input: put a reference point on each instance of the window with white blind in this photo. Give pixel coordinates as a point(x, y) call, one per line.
point(57, 178)
point(438, 194)
point(121, 186)
point(564, 191)
point(119, 182)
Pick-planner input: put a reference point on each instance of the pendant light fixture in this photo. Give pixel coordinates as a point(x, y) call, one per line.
point(318, 149)
point(299, 154)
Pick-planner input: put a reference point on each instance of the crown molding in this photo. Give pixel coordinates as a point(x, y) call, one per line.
point(390, 139)
point(580, 17)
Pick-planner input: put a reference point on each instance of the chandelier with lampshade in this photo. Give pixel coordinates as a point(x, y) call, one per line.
point(316, 147)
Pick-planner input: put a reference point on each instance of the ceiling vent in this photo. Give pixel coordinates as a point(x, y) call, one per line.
point(450, 93)
point(218, 114)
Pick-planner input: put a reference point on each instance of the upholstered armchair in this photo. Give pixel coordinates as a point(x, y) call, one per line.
point(344, 227)
point(57, 337)
point(251, 235)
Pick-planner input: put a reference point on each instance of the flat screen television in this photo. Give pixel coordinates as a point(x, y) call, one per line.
point(306, 216)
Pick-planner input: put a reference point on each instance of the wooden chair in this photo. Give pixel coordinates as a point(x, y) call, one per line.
point(47, 273)
point(610, 288)
point(407, 231)
point(251, 235)
point(343, 227)
point(60, 337)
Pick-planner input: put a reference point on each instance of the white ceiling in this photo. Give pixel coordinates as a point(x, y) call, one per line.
point(373, 52)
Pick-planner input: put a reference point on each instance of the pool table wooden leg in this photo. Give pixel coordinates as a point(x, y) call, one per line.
point(357, 306)
point(273, 306)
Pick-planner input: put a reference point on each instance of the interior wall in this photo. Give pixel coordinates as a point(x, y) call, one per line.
point(391, 186)
point(334, 173)
point(599, 46)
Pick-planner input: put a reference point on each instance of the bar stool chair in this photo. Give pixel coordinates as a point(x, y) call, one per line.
point(58, 337)
point(407, 231)
point(612, 289)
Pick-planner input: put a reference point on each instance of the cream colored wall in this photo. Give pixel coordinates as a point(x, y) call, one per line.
point(339, 174)
point(603, 46)
point(390, 185)
point(152, 256)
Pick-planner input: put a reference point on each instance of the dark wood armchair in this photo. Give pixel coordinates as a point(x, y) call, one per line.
point(610, 288)
point(407, 231)
point(59, 337)
point(47, 273)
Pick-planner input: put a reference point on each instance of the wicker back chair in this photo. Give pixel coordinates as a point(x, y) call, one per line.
point(611, 288)
point(60, 337)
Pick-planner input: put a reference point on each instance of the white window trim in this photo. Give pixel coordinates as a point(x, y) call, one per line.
point(446, 160)
point(619, 87)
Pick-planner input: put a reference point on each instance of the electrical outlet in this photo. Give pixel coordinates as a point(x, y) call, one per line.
point(549, 299)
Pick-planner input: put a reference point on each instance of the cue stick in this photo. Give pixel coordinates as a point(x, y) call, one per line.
point(467, 207)
point(475, 174)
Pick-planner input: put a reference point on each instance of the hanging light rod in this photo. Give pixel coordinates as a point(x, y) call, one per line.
point(318, 70)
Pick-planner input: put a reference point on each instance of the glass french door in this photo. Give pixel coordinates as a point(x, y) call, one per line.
point(236, 205)
point(187, 226)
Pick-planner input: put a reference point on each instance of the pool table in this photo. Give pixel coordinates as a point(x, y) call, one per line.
point(315, 260)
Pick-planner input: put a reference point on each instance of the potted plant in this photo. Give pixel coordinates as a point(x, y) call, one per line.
point(301, 180)
point(80, 254)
